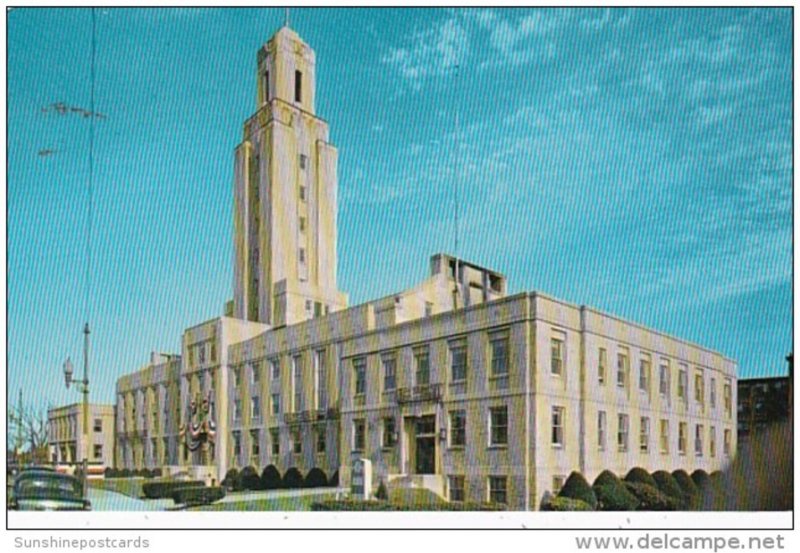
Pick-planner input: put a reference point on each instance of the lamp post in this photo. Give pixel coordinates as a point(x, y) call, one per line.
point(83, 388)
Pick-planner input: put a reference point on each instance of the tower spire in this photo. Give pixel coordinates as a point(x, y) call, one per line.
point(285, 17)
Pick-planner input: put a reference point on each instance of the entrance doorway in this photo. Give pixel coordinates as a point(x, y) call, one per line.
point(425, 441)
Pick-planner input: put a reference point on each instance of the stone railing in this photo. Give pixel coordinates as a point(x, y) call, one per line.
point(414, 394)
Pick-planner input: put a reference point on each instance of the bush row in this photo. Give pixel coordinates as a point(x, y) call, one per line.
point(199, 495)
point(271, 479)
point(639, 490)
point(378, 505)
point(111, 472)
point(165, 488)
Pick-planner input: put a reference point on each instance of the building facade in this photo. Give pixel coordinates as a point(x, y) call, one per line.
point(453, 385)
point(762, 402)
point(67, 442)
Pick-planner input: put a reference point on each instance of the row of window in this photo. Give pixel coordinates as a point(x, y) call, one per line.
point(202, 353)
point(296, 442)
point(498, 359)
point(298, 86)
point(496, 488)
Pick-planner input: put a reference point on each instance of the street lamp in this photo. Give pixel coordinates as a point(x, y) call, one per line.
point(83, 389)
point(68, 372)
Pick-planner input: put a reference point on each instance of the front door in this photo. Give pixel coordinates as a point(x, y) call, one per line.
point(425, 445)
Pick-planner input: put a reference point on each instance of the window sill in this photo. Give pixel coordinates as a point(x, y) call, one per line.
point(497, 446)
point(456, 448)
point(557, 446)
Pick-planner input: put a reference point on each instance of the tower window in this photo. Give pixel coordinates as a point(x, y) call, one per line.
point(302, 224)
point(303, 161)
point(298, 86)
point(266, 86)
point(302, 255)
point(303, 193)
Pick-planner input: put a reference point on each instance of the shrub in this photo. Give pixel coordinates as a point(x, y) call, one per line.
point(316, 478)
point(157, 473)
point(612, 497)
point(701, 479)
point(691, 495)
point(293, 479)
point(124, 473)
point(576, 487)
point(198, 495)
point(638, 475)
point(667, 485)
point(110, 472)
point(271, 478)
point(651, 499)
point(607, 478)
point(231, 480)
point(382, 492)
point(334, 481)
point(165, 488)
point(248, 479)
point(565, 504)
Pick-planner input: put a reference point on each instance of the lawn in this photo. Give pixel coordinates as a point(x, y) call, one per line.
point(132, 487)
point(302, 503)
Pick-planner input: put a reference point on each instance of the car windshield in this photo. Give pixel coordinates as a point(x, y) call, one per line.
point(51, 486)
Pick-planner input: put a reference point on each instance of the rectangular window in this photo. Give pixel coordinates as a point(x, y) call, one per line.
point(389, 372)
point(275, 368)
point(389, 432)
point(682, 438)
point(726, 442)
point(644, 434)
point(644, 374)
point(499, 351)
point(699, 391)
point(302, 258)
point(712, 441)
point(664, 435)
point(602, 425)
point(712, 398)
point(98, 451)
point(237, 379)
point(255, 374)
point(359, 434)
point(201, 353)
point(297, 442)
point(455, 487)
point(298, 86)
point(213, 352)
point(557, 430)
point(302, 193)
point(497, 490)
point(303, 161)
point(458, 362)
point(255, 407)
point(237, 410)
point(602, 363)
point(423, 366)
point(698, 440)
point(498, 426)
point(683, 382)
point(321, 379)
point(663, 379)
point(302, 224)
point(275, 439)
point(321, 440)
point(98, 425)
point(237, 444)
point(556, 356)
point(297, 383)
point(458, 428)
point(622, 432)
point(727, 397)
point(266, 86)
point(622, 370)
point(255, 446)
point(276, 404)
point(360, 375)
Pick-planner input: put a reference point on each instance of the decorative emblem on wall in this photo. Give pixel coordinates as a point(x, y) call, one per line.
point(201, 429)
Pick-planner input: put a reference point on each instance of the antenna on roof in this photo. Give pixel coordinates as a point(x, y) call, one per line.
point(455, 193)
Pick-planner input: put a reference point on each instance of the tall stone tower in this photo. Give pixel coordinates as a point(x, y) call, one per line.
point(285, 195)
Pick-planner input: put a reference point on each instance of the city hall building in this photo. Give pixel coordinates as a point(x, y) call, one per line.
point(453, 384)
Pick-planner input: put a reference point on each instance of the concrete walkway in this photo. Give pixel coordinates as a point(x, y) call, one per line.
point(235, 497)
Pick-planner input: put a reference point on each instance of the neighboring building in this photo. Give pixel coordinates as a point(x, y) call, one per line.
point(66, 438)
point(762, 402)
point(452, 385)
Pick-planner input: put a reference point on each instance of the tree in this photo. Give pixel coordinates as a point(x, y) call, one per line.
point(28, 432)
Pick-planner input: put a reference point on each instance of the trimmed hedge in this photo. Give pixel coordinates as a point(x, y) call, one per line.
point(110, 472)
point(638, 475)
point(382, 492)
point(565, 504)
point(651, 499)
point(701, 479)
point(198, 495)
point(691, 495)
point(358, 505)
point(612, 497)
point(249, 479)
point(334, 481)
point(231, 480)
point(271, 478)
point(667, 485)
point(165, 488)
point(293, 479)
point(576, 487)
point(607, 478)
point(316, 478)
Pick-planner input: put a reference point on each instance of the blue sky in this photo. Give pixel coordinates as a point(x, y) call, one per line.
point(638, 161)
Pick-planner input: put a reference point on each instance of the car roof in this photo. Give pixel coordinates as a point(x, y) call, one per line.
point(30, 473)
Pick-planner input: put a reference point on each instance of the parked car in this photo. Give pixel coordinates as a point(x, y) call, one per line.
point(46, 490)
